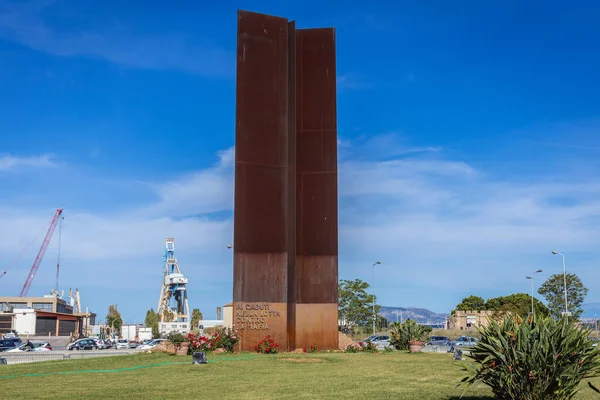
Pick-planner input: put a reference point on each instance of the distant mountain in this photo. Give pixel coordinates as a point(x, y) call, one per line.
point(420, 315)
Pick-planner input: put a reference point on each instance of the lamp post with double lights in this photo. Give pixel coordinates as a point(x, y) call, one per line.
point(531, 278)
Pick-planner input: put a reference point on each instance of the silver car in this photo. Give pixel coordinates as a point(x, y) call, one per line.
point(377, 340)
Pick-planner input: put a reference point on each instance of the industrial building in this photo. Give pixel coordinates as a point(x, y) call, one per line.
point(48, 315)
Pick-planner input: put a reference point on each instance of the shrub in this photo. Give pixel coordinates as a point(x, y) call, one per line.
point(267, 346)
point(545, 359)
point(369, 347)
point(222, 338)
point(311, 349)
point(408, 331)
point(176, 338)
point(353, 348)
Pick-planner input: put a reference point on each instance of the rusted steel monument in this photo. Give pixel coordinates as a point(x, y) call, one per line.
point(285, 274)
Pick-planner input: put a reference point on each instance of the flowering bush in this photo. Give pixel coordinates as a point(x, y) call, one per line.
point(311, 349)
point(353, 348)
point(224, 338)
point(267, 346)
point(368, 346)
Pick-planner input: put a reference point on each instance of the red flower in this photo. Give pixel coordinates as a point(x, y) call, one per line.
point(304, 350)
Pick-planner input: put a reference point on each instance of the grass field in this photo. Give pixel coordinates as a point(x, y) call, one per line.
point(395, 375)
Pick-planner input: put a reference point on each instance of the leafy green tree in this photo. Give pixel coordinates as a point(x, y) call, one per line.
point(516, 304)
point(553, 291)
point(113, 319)
point(151, 321)
point(196, 317)
point(355, 305)
point(471, 303)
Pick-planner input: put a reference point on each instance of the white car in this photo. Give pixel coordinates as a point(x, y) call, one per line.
point(152, 344)
point(37, 346)
point(122, 344)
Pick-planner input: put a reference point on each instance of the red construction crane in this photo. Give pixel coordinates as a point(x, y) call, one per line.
point(41, 253)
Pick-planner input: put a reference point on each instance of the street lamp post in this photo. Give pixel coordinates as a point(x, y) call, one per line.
point(565, 281)
point(374, 264)
point(531, 278)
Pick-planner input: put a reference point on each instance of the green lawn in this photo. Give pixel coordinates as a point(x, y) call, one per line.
point(245, 376)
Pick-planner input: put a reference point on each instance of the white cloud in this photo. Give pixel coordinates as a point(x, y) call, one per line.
point(439, 225)
point(10, 162)
point(200, 192)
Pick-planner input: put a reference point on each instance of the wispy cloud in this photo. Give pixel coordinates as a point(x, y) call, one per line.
point(381, 147)
point(10, 162)
point(23, 23)
point(200, 192)
point(351, 81)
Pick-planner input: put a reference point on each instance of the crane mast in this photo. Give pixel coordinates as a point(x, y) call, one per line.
point(173, 289)
point(41, 252)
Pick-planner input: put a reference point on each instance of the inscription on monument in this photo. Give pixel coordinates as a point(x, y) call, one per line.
point(255, 316)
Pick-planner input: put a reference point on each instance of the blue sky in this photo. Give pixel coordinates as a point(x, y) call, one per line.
point(468, 144)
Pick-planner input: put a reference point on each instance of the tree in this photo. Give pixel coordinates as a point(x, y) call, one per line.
point(553, 291)
point(471, 303)
point(151, 321)
point(516, 304)
point(113, 319)
point(169, 316)
point(355, 305)
point(196, 317)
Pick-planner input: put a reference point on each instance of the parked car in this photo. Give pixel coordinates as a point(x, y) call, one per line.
point(15, 339)
point(7, 344)
point(102, 344)
point(122, 344)
point(377, 340)
point(463, 341)
point(83, 344)
point(108, 344)
point(438, 341)
point(151, 344)
point(11, 334)
point(31, 346)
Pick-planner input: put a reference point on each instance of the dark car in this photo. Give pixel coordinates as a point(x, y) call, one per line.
point(8, 344)
point(438, 341)
point(83, 344)
point(16, 340)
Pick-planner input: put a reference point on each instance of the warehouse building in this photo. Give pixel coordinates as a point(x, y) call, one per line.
point(47, 315)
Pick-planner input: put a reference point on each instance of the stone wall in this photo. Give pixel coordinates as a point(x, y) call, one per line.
point(468, 320)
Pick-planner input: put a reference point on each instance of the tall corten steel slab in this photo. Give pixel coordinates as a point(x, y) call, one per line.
point(285, 218)
point(260, 272)
point(316, 269)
